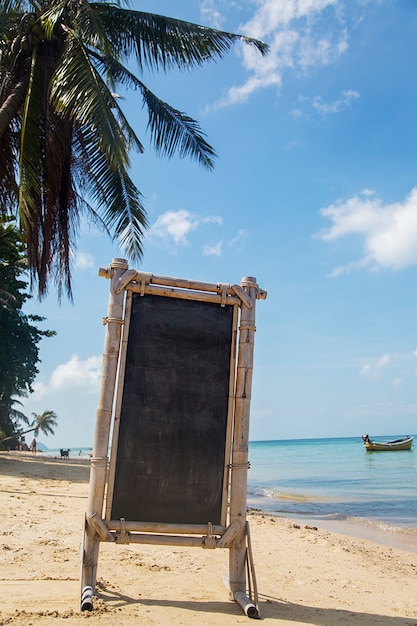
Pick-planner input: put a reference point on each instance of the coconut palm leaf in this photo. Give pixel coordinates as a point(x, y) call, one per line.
point(64, 140)
point(171, 130)
point(114, 189)
point(174, 131)
point(78, 91)
point(45, 422)
point(159, 42)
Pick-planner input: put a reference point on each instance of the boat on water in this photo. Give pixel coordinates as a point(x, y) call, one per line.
point(404, 443)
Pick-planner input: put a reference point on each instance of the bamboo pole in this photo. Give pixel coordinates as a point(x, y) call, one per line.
point(99, 460)
point(239, 466)
point(251, 567)
point(162, 527)
point(229, 422)
point(174, 292)
point(118, 403)
point(246, 604)
point(227, 539)
point(100, 527)
point(165, 540)
point(146, 278)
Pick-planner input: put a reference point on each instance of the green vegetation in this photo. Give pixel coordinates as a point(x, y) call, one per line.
point(19, 336)
point(64, 139)
point(45, 423)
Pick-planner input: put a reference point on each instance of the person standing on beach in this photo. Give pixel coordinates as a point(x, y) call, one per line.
point(33, 446)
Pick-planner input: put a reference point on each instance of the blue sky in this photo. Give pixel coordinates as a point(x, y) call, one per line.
point(314, 193)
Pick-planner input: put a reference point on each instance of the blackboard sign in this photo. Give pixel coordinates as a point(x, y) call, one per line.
point(172, 433)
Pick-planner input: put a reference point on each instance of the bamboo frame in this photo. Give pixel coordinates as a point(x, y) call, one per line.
point(172, 292)
point(118, 405)
point(191, 295)
point(229, 423)
point(233, 531)
point(98, 469)
point(157, 527)
point(238, 483)
point(138, 530)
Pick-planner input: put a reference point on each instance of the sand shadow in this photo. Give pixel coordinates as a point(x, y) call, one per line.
point(117, 600)
point(303, 614)
point(270, 608)
point(41, 467)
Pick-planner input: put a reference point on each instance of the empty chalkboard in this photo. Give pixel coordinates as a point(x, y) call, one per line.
point(172, 434)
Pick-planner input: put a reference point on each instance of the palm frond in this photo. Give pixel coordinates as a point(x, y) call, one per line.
point(119, 202)
point(128, 226)
point(79, 92)
point(16, 414)
point(9, 9)
point(86, 209)
point(162, 42)
point(45, 422)
point(90, 29)
point(31, 141)
point(173, 131)
point(8, 169)
point(118, 73)
point(64, 138)
point(53, 14)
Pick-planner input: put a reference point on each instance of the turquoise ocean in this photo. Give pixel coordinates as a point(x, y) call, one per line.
point(334, 484)
point(338, 485)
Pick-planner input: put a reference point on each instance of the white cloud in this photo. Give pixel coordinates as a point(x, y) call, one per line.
point(337, 105)
point(177, 225)
point(373, 370)
point(210, 14)
point(237, 242)
point(389, 231)
point(83, 260)
point(301, 34)
point(213, 249)
point(72, 375)
point(325, 108)
point(216, 248)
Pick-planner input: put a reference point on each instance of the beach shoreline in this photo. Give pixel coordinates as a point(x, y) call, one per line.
point(402, 538)
point(306, 574)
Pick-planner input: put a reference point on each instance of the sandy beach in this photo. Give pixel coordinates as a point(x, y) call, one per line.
point(305, 575)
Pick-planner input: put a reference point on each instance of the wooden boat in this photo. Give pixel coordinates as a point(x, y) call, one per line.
point(404, 443)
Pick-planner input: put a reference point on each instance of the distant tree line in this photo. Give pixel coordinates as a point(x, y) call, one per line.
point(19, 338)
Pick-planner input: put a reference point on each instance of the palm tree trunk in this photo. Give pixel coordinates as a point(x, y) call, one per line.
point(12, 104)
point(17, 435)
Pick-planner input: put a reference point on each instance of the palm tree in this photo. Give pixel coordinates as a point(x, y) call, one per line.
point(45, 423)
point(10, 417)
point(64, 140)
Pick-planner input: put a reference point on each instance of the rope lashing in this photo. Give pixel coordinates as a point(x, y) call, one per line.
point(122, 535)
point(209, 542)
point(239, 465)
point(112, 320)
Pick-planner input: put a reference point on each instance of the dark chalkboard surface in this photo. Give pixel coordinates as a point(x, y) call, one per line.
point(172, 434)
